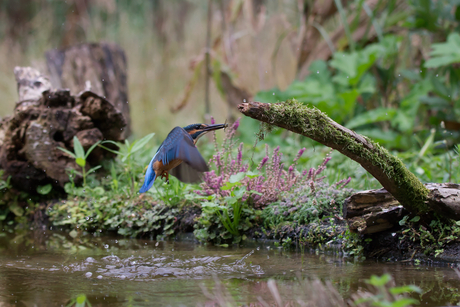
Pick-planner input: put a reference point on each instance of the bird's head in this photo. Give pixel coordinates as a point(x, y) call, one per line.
point(198, 130)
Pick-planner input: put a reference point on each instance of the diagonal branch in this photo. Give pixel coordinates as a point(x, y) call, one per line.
point(312, 123)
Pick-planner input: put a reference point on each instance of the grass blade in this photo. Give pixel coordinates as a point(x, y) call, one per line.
point(343, 17)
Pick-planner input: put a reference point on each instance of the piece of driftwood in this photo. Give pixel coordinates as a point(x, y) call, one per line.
point(372, 211)
point(98, 67)
point(46, 119)
point(377, 210)
point(387, 169)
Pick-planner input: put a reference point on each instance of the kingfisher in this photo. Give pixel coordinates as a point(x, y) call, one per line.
point(178, 147)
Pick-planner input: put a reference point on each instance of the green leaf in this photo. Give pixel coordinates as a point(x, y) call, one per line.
point(228, 186)
point(93, 169)
point(117, 152)
point(81, 161)
point(73, 233)
point(237, 177)
point(250, 174)
point(372, 116)
point(405, 289)
point(44, 189)
point(91, 149)
point(346, 63)
point(141, 143)
point(405, 302)
point(16, 209)
point(415, 219)
point(445, 53)
point(379, 281)
point(79, 151)
point(67, 152)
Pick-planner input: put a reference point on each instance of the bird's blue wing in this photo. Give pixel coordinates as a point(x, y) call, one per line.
point(149, 176)
point(179, 145)
point(185, 173)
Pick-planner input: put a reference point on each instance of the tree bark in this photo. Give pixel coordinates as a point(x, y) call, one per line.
point(98, 67)
point(44, 120)
point(386, 168)
point(377, 210)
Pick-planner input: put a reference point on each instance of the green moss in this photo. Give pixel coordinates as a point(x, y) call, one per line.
point(316, 125)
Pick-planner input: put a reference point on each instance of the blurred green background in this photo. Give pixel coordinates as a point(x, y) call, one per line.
point(385, 68)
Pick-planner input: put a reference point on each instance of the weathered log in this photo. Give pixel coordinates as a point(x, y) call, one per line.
point(98, 67)
point(377, 210)
point(372, 211)
point(386, 168)
point(44, 120)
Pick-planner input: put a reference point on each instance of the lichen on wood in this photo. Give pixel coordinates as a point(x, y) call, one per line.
point(311, 122)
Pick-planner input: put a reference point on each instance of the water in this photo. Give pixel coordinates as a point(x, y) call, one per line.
point(46, 268)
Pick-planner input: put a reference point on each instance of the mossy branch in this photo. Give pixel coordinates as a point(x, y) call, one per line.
point(312, 123)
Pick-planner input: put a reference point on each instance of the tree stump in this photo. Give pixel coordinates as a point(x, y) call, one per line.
point(98, 67)
point(46, 119)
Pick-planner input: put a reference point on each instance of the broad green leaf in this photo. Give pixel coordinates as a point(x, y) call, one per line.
point(237, 177)
point(349, 99)
point(228, 186)
point(142, 142)
point(44, 189)
point(379, 281)
point(81, 161)
point(16, 209)
point(403, 302)
point(251, 174)
point(445, 53)
point(372, 116)
point(79, 151)
point(346, 63)
point(415, 219)
point(239, 192)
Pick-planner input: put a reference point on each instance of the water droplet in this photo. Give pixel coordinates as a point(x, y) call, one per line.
point(436, 75)
point(317, 71)
point(244, 100)
point(273, 94)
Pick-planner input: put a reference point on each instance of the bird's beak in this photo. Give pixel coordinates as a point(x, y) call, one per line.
point(209, 128)
point(215, 127)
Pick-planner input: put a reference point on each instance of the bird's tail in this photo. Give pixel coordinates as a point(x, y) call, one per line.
point(150, 176)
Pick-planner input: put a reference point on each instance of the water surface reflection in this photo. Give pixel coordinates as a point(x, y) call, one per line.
point(48, 268)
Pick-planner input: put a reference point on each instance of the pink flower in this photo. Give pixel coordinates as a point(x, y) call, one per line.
point(236, 124)
point(213, 121)
point(299, 154)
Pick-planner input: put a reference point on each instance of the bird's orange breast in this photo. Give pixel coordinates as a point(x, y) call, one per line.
point(159, 167)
